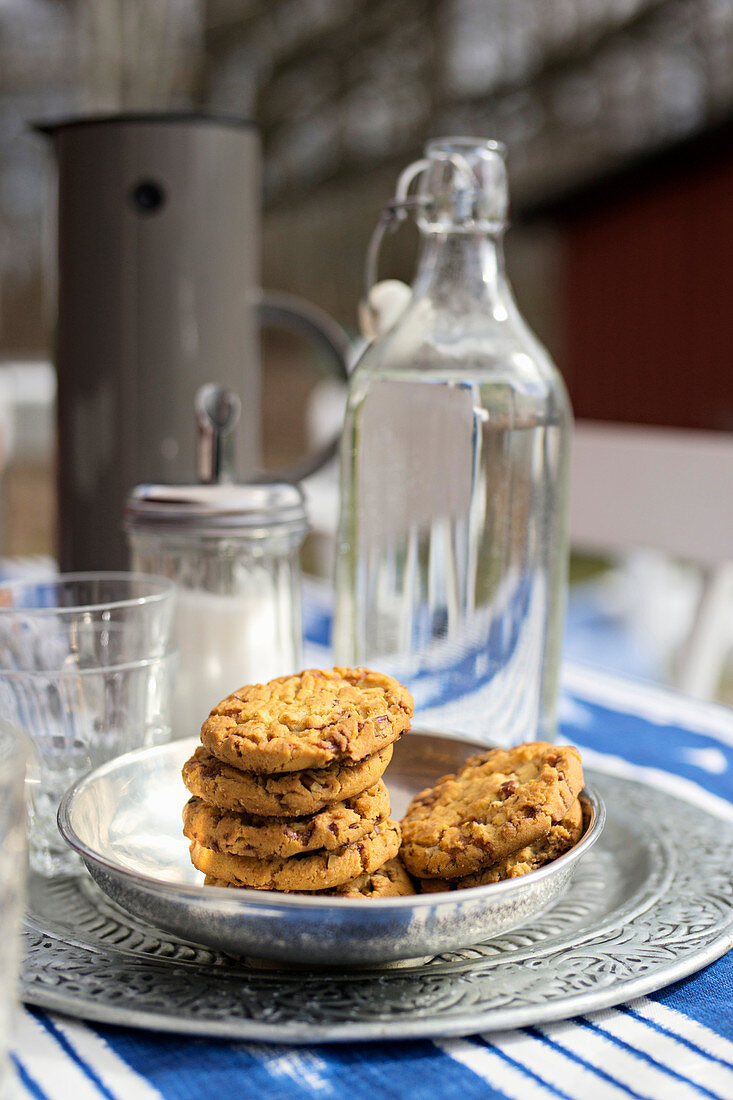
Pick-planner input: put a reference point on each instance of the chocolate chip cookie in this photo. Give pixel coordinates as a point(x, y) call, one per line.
point(389, 881)
point(497, 803)
point(251, 835)
point(311, 720)
point(561, 838)
point(291, 794)
point(304, 873)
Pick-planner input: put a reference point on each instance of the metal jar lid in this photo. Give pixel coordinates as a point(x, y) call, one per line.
point(253, 510)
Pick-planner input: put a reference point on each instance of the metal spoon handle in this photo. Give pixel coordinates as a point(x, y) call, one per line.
point(217, 414)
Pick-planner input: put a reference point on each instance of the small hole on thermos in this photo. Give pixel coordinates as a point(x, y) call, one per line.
point(147, 196)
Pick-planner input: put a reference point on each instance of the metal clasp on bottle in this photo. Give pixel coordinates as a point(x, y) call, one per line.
point(396, 210)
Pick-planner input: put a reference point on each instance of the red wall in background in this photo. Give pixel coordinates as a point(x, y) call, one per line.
point(649, 295)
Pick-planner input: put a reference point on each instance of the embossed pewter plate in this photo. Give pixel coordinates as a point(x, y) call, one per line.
point(651, 903)
point(124, 819)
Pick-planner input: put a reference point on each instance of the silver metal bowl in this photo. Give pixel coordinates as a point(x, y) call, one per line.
point(125, 821)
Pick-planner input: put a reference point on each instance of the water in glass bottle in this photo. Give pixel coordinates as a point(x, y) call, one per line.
point(451, 552)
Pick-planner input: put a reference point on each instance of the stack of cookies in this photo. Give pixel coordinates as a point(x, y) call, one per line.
point(287, 788)
point(504, 813)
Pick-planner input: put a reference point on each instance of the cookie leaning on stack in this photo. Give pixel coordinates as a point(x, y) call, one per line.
point(287, 791)
point(503, 814)
point(389, 881)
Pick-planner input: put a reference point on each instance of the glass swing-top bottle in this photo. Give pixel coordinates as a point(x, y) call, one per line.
point(451, 557)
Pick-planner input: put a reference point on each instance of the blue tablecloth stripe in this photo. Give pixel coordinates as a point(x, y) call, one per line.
point(25, 1081)
point(402, 1070)
point(88, 1071)
point(598, 1070)
point(706, 996)
point(694, 1047)
point(526, 1071)
point(670, 747)
point(643, 1055)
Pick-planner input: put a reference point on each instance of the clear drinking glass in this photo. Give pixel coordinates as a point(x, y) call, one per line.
point(13, 755)
point(85, 681)
point(94, 618)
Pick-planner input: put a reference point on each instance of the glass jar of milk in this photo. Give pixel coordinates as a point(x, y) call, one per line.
point(233, 552)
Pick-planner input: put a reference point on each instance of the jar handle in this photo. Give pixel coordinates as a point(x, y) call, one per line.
point(286, 311)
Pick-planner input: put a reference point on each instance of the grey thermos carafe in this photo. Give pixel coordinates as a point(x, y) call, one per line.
point(158, 293)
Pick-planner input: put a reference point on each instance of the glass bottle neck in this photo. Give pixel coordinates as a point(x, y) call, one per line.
point(462, 271)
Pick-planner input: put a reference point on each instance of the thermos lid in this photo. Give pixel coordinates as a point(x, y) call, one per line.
point(253, 509)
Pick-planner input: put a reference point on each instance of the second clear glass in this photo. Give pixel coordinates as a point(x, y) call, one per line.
point(86, 673)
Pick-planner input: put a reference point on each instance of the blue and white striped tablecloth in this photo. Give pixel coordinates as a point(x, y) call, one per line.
point(677, 1043)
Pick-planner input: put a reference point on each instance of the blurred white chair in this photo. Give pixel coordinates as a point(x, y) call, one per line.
point(27, 410)
point(27, 446)
point(669, 490)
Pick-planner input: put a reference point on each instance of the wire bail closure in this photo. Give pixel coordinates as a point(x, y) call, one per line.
point(393, 215)
point(396, 210)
